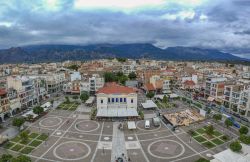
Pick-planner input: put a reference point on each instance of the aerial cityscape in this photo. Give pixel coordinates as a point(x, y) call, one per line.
point(124, 81)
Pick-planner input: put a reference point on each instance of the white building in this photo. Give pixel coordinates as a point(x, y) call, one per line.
point(75, 76)
point(114, 100)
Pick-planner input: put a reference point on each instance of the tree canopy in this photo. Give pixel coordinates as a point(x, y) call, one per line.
point(38, 110)
point(132, 75)
point(235, 146)
point(228, 123)
point(84, 96)
point(150, 95)
point(217, 117)
point(209, 130)
point(18, 122)
point(115, 77)
point(243, 130)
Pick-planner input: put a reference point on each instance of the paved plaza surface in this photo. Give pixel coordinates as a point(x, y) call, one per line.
point(76, 139)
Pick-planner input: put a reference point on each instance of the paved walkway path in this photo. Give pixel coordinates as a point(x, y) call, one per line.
point(118, 143)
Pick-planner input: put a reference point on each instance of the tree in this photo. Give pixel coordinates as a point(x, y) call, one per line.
point(52, 102)
point(21, 158)
point(235, 146)
point(75, 97)
point(244, 139)
point(24, 136)
point(228, 123)
point(165, 99)
point(132, 75)
point(18, 122)
point(150, 94)
point(84, 96)
point(122, 79)
point(202, 160)
point(6, 158)
point(38, 110)
point(217, 117)
point(209, 130)
point(243, 130)
point(73, 67)
point(67, 100)
point(121, 59)
point(109, 77)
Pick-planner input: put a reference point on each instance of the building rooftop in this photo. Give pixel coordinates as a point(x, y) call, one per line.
point(114, 88)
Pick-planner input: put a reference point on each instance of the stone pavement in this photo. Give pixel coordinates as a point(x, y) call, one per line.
point(118, 143)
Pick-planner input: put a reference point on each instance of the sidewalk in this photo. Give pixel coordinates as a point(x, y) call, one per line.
point(118, 143)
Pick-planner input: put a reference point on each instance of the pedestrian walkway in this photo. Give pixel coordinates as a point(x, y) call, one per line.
point(118, 143)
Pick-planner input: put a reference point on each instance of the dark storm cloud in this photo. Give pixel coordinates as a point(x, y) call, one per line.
point(219, 24)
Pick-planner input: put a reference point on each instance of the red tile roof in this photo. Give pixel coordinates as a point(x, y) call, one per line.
point(189, 82)
point(3, 92)
point(114, 88)
point(149, 87)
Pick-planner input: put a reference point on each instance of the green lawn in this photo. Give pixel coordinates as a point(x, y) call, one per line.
point(200, 139)
point(16, 139)
point(33, 135)
point(201, 130)
point(25, 147)
point(42, 137)
point(217, 141)
point(194, 134)
point(9, 145)
point(209, 141)
point(217, 133)
point(27, 150)
point(208, 144)
point(35, 143)
point(17, 147)
point(25, 142)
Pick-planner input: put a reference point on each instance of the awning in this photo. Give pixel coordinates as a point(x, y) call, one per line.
point(149, 104)
point(210, 99)
point(173, 95)
point(131, 125)
point(46, 105)
point(116, 112)
point(90, 100)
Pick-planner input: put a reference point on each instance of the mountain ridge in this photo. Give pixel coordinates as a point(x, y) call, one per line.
point(62, 52)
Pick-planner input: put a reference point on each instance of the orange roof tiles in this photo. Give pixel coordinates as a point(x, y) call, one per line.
point(189, 82)
point(113, 88)
point(149, 87)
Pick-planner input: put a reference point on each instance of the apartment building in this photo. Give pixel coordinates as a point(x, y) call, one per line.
point(54, 82)
point(237, 99)
point(4, 103)
point(214, 88)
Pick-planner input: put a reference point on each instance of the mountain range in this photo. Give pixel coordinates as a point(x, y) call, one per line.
point(54, 53)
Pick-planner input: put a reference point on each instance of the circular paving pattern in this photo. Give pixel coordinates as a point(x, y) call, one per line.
point(166, 149)
point(72, 150)
point(141, 126)
point(50, 122)
point(87, 126)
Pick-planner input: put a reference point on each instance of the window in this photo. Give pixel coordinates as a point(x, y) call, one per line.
point(101, 101)
point(125, 100)
point(132, 100)
point(116, 100)
point(113, 100)
point(120, 99)
point(108, 100)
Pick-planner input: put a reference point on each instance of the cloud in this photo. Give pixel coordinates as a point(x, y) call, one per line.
point(222, 24)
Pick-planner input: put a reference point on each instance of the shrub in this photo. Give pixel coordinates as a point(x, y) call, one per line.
point(202, 160)
point(217, 117)
point(244, 139)
point(243, 130)
point(235, 146)
point(228, 123)
point(210, 130)
point(18, 122)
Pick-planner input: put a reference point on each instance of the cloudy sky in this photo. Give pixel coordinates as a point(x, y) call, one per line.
point(221, 24)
